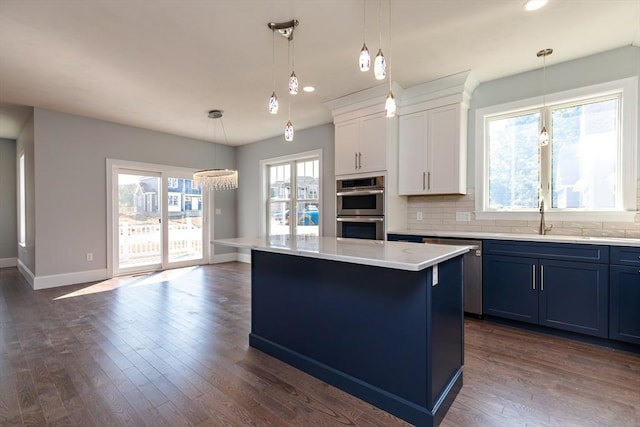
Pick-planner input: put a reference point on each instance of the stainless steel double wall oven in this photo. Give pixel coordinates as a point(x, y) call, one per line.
point(360, 208)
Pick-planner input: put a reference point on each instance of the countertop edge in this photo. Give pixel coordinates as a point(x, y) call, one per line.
point(548, 238)
point(452, 251)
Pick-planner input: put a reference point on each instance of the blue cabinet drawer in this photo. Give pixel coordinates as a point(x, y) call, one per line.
point(623, 255)
point(557, 251)
point(404, 238)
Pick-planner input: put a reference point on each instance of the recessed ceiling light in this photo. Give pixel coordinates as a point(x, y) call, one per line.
point(309, 89)
point(531, 5)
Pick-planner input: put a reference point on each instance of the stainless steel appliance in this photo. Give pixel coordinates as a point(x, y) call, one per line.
point(360, 227)
point(360, 196)
point(360, 208)
point(472, 273)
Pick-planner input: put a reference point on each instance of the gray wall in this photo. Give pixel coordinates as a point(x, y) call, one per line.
point(8, 205)
point(249, 157)
point(70, 177)
point(607, 66)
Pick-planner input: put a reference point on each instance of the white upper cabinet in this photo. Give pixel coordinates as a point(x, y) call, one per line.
point(432, 151)
point(361, 145)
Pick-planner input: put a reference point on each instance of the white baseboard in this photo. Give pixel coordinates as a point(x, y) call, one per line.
point(8, 262)
point(26, 273)
point(218, 259)
point(55, 280)
point(244, 258)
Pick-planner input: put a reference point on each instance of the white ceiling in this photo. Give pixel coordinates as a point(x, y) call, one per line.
point(162, 65)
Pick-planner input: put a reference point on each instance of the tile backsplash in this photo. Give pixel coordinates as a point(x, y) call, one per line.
point(439, 214)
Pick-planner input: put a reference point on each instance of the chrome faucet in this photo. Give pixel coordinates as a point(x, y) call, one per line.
point(543, 228)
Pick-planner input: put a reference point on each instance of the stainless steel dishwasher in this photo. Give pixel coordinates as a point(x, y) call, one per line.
point(472, 272)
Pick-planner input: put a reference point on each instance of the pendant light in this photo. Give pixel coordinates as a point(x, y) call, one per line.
point(390, 103)
point(380, 64)
point(293, 79)
point(364, 59)
point(286, 30)
point(273, 101)
point(217, 179)
point(543, 138)
point(288, 129)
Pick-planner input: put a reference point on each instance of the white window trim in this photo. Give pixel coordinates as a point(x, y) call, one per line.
point(22, 200)
point(628, 156)
point(264, 179)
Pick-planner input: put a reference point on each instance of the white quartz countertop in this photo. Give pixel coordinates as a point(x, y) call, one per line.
point(551, 238)
point(396, 255)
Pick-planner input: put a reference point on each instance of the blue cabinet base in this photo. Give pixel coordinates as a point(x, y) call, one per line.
point(386, 336)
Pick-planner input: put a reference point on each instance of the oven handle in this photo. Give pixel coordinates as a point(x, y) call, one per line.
point(359, 219)
point(359, 192)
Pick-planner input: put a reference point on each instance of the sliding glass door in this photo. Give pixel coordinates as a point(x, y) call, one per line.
point(139, 221)
point(158, 220)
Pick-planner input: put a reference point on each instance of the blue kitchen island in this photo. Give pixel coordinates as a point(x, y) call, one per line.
point(380, 320)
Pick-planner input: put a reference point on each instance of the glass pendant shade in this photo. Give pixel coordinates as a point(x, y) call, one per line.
point(293, 84)
point(380, 66)
point(390, 105)
point(273, 103)
point(216, 179)
point(288, 132)
point(543, 139)
point(365, 58)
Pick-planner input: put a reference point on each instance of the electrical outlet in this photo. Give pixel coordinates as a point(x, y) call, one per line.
point(419, 216)
point(463, 216)
point(89, 256)
point(218, 211)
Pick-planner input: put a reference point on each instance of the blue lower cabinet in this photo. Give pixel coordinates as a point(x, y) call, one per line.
point(624, 304)
point(509, 288)
point(574, 296)
point(562, 294)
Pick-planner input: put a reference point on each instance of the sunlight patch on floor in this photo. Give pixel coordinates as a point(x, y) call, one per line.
point(130, 281)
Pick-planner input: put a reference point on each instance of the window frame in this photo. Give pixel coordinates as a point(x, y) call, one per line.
point(22, 200)
point(265, 191)
point(627, 154)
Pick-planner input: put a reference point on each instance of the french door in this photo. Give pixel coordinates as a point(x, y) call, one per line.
point(157, 221)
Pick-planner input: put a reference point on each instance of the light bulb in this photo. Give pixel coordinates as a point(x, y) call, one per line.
point(273, 103)
point(390, 105)
point(365, 58)
point(380, 66)
point(288, 132)
point(293, 83)
point(543, 139)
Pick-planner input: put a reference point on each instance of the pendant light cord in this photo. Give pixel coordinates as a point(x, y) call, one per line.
point(364, 23)
point(380, 22)
point(273, 58)
point(389, 48)
point(544, 88)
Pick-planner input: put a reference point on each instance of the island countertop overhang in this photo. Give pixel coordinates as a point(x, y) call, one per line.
point(385, 254)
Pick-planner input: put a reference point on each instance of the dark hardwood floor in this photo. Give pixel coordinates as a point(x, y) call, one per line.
point(170, 349)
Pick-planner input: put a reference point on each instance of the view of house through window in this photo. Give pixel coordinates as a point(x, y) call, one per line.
point(149, 236)
point(578, 169)
point(294, 212)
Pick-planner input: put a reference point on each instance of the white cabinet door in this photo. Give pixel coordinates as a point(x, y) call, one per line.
point(444, 151)
point(347, 137)
point(372, 152)
point(361, 145)
point(411, 154)
point(430, 157)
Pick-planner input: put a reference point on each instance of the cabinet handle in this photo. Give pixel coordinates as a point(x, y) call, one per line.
point(359, 160)
point(542, 278)
point(355, 160)
point(423, 180)
point(428, 180)
point(533, 277)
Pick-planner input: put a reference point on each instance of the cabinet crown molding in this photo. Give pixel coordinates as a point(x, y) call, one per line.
point(456, 88)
